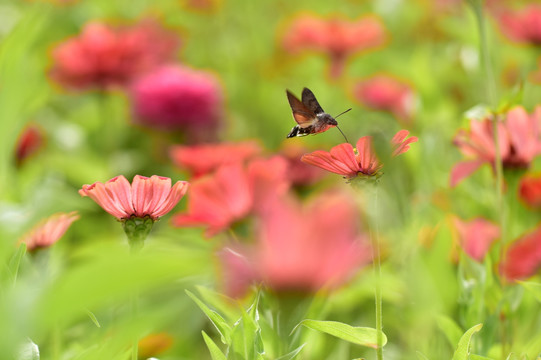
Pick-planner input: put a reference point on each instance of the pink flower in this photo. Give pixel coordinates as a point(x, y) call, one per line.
point(205, 158)
point(103, 56)
point(232, 193)
point(344, 160)
point(335, 37)
point(530, 190)
point(153, 197)
point(302, 248)
point(30, 141)
point(523, 258)
point(476, 236)
point(519, 139)
point(523, 26)
point(179, 98)
point(48, 231)
point(386, 93)
point(299, 173)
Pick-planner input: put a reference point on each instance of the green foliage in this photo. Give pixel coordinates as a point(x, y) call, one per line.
point(462, 351)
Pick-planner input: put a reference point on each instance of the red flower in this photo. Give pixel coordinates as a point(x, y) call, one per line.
point(30, 141)
point(48, 231)
point(103, 56)
point(523, 26)
point(153, 197)
point(232, 193)
point(344, 160)
point(476, 236)
point(386, 93)
point(179, 98)
point(530, 190)
point(523, 258)
point(519, 142)
point(334, 37)
point(205, 158)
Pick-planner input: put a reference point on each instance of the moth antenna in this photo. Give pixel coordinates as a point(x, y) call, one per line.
point(345, 138)
point(342, 113)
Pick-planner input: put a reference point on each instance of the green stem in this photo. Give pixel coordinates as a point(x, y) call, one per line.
point(135, 311)
point(377, 270)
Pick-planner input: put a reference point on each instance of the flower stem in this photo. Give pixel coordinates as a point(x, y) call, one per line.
point(135, 311)
point(377, 270)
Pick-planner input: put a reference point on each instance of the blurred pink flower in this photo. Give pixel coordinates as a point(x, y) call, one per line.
point(233, 192)
point(519, 139)
point(523, 26)
point(153, 197)
point(386, 93)
point(179, 98)
point(362, 161)
point(300, 173)
point(103, 56)
point(29, 142)
point(476, 236)
point(48, 231)
point(302, 248)
point(335, 37)
point(205, 158)
point(523, 257)
point(530, 190)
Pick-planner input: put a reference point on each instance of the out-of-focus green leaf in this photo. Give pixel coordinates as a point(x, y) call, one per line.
point(421, 356)
point(463, 348)
point(450, 328)
point(478, 357)
point(214, 350)
point(15, 262)
point(533, 288)
point(358, 335)
point(225, 305)
point(246, 342)
point(217, 320)
point(93, 318)
point(293, 354)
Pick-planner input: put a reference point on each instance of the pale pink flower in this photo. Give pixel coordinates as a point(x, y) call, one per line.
point(205, 158)
point(362, 161)
point(153, 197)
point(519, 140)
point(476, 236)
point(48, 231)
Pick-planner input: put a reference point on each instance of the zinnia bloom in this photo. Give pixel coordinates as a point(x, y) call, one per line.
point(48, 231)
point(522, 26)
point(205, 158)
point(476, 236)
point(179, 98)
point(233, 192)
point(523, 258)
point(146, 197)
point(30, 141)
point(530, 190)
point(103, 56)
point(386, 93)
point(337, 38)
point(519, 140)
point(362, 161)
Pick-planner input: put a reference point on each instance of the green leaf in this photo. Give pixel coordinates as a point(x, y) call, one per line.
point(217, 320)
point(215, 352)
point(462, 351)
point(479, 357)
point(15, 261)
point(533, 288)
point(358, 335)
point(93, 318)
point(421, 356)
point(293, 354)
point(246, 342)
point(450, 328)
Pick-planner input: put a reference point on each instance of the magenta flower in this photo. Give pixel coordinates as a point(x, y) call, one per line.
point(48, 231)
point(103, 56)
point(178, 98)
point(146, 197)
point(476, 236)
point(519, 139)
point(362, 161)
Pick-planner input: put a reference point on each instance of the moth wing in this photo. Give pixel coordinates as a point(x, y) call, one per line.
point(309, 99)
point(301, 113)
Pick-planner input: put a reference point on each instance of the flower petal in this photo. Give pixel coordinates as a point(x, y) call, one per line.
point(463, 169)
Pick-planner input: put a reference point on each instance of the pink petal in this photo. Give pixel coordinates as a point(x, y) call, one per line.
point(101, 196)
point(346, 155)
point(119, 190)
point(367, 160)
point(400, 143)
point(142, 194)
point(177, 192)
point(476, 236)
point(463, 169)
point(523, 132)
point(325, 161)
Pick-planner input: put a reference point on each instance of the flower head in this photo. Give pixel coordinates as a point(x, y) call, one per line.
point(530, 190)
point(519, 140)
point(205, 158)
point(335, 37)
point(103, 56)
point(523, 258)
point(48, 231)
point(362, 161)
point(522, 26)
point(151, 197)
point(386, 93)
point(476, 236)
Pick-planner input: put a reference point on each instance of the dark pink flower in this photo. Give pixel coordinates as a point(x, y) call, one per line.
point(153, 197)
point(337, 38)
point(48, 231)
point(530, 190)
point(476, 236)
point(233, 192)
point(179, 98)
point(30, 141)
point(386, 93)
point(522, 26)
point(205, 158)
point(362, 161)
point(103, 56)
point(519, 140)
point(523, 257)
